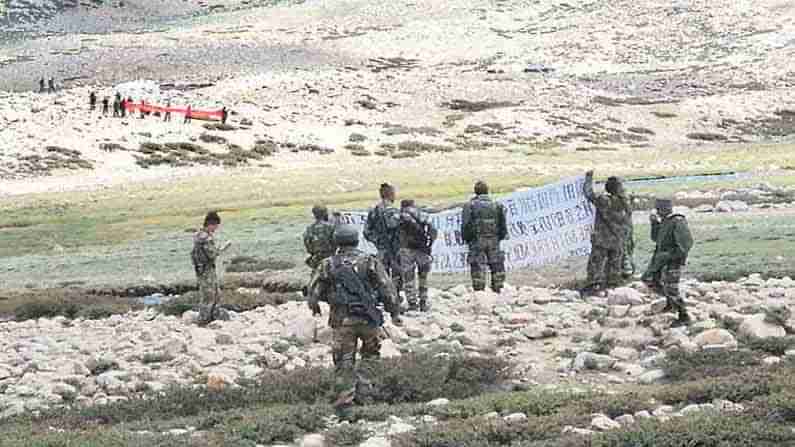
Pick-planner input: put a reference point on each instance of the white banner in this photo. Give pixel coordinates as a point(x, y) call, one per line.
point(546, 225)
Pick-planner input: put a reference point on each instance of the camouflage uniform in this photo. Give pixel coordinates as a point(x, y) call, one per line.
point(381, 229)
point(351, 327)
point(608, 239)
point(319, 242)
point(415, 256)
point(204, 255)
point(673, 242)
point(483, 228)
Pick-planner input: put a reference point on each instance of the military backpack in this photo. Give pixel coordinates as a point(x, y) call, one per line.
point(353, 292)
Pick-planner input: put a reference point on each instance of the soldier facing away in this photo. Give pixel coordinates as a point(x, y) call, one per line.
point(673, 239)
point(609, 237)
point(381, 229)
point(319, 238)
point(483, 227)
point(204, 256)
point(417, 236)
point(352, 283)
point(92, 100)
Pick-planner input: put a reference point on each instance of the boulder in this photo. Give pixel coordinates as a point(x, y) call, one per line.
point(302, 329)
point(755, 326)
point(515, 418)
point(589, 360)
point(376, 441)
point(313, 440)
point(652, 376)
point(715, 337)
point(601, 422)
point(439, 402)
point(400, 427)
point(623, 353)
point(731, 206)
point(624, 296)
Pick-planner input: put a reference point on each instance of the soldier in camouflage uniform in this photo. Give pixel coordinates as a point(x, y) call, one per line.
point(673, 243)
point(417, 235)
point(609, 237)
point(628, 263)
point(483, 227)
point(381, 229)
point(319, 237)
point(352, 283)
point(203, 257)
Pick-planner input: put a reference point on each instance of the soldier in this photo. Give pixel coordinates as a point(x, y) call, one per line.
point(352, 282)
point(92, 100)
point(381, 229)
point(319, 239)
point(628, 262)
point(41, 85)
point(224, 115)
point(204, 256)
point(417, 236)
point(116, 108)
point(609, 235)
point(167, 116)
point(483, 227)
point(673, 243)
point(188, 112)
point(105, 102)
point(51, 85)
point(123, 105)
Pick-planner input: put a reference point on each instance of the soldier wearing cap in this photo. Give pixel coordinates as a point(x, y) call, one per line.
point(673, 241)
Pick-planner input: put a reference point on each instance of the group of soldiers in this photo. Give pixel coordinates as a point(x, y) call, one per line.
point(612, 246)
point(356, 285)
point(120, 106)
point(50, 85)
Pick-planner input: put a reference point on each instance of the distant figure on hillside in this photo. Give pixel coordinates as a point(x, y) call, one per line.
point(51, 83)
point(609, 238)
point(167, 115)
point(143, 104)
point(123, 105)
point(224, 115)
point(41, 85)
point(105, 103)
point(187, 115)
point(116, 108)
point(92, 100)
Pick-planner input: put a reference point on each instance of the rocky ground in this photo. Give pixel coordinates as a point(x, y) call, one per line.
point(555, 339)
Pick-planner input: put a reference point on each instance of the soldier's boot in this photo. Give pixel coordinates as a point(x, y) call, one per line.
point(683, 320)
point(669, 307)
point(424, 300)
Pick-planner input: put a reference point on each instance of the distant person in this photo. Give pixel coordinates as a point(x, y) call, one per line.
point(167, 115)
point(143, 105)
point(123, 105)
point(673, 241)
point(188, 112)
point(52, 85)
point(609, 237)
point(41, 85)
point(417, 236)
point(204, 256)
point(224, 115)
point(105, 103)
point(92, 101)
point(483, 227)
point(116, 108)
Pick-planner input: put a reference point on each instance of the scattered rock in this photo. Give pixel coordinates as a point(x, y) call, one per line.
point(757, 327)
point(603, 423)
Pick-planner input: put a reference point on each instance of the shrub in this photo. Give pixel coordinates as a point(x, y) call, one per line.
point(346, 435)
point(681, 365)
point(46, 309)
point(156, 357)
point(771, 345)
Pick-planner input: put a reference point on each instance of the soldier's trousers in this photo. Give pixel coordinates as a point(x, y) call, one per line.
point(628, 262)
point(208, 286)
point(350, 377)
point(605, 266)
point(415, 266)
point(484, 256)
point(391, 263)
point(666, 282)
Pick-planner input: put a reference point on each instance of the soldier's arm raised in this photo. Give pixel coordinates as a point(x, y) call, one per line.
point(598, 200)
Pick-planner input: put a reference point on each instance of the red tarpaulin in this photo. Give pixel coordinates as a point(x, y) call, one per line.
point(194, 114)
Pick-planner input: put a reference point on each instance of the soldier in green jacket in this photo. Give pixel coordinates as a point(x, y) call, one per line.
point(484, 227)
point(674, 241)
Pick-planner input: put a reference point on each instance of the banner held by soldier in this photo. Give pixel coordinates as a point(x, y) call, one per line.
point(546, 225)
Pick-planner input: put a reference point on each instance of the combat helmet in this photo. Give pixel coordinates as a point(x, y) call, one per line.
point(346, 236)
